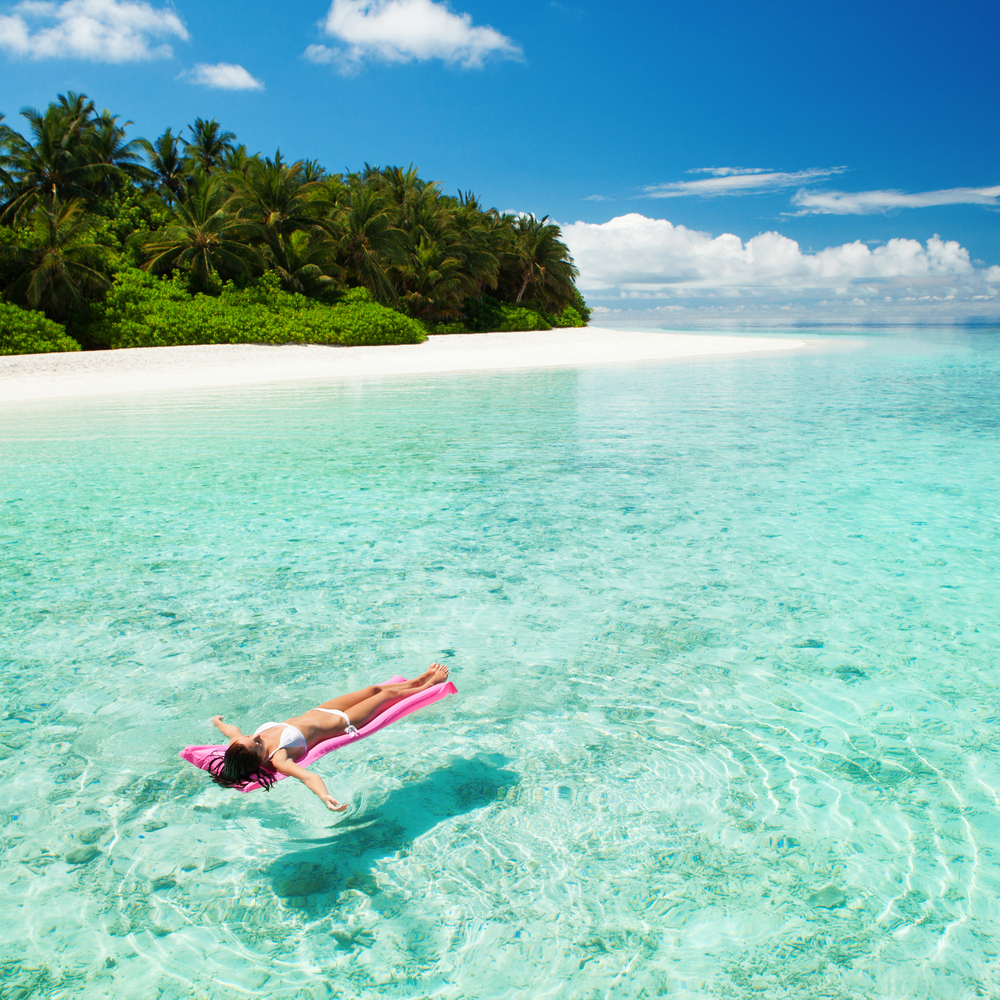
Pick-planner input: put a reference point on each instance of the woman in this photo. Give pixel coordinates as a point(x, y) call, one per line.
point(276, 746)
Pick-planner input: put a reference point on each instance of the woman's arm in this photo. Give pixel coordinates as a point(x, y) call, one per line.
point(313, 782)
point(230, 732)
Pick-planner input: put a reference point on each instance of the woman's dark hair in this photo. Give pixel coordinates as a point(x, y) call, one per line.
point(241, 766)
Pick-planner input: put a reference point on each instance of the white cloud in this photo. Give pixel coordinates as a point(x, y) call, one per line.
point(112, 31)
point(222, 76)
point(738, 180)
point(342, 59)
point(866, 202)
point(400, 31)
point(635, 257)
point(726, 171)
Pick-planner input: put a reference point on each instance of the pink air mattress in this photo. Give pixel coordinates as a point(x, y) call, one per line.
point(203, 755)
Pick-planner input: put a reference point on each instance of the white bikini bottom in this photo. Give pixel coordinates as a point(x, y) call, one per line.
point(350, 730)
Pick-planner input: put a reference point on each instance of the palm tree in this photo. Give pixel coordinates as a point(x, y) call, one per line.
point(312, 170)
point(334, 189)
point(56, 272)
point(434, 281)
point(542, 262)
point(61, 163)
point(169, 167)
point(307, 264)
point(209, 144)
point(236, 160)
point(448, 257)
point(367, 241)
point(108, 147)
point(6, 181)
point(206, 236)
point(294, 219)
point(409, 198)
point(482, 239)
point(271, 193)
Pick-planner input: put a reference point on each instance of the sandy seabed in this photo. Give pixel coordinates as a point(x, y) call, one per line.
point(152, 369)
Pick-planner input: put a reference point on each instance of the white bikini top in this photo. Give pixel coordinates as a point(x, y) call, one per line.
point(290, 737)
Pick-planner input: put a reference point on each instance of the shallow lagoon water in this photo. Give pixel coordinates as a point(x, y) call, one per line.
point(724, 634)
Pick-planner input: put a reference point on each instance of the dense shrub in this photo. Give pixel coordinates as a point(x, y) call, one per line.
point(575, 315)
point(568, 317)
point(145, 311)
point(25, 332)
point(581, 307)
point(127, 219)
point(489, 315)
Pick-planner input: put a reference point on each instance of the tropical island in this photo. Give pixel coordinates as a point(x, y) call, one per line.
point(110, 242)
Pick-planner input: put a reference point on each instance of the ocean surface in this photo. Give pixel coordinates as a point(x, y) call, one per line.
point(725, 635)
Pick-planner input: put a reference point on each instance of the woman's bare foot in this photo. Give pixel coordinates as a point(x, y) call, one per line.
point(439, 674)
point(436, 674)
point(427, 679)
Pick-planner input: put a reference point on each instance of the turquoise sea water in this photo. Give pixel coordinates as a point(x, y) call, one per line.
point(724, 632)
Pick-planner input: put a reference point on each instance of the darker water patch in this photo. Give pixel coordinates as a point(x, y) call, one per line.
point(348, 858)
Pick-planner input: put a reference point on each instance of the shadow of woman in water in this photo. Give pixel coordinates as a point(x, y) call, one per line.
point(347, 859)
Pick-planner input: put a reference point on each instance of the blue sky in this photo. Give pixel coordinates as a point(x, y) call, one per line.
point(854, 132)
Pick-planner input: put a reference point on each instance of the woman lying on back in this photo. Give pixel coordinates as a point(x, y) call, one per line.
point(276, 746)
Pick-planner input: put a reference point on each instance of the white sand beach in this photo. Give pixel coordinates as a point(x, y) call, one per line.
point(143, 370)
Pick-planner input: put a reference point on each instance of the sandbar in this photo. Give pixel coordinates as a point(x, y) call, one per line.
point(156, 369)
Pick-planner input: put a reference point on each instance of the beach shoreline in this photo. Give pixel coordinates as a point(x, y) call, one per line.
point(216, 366)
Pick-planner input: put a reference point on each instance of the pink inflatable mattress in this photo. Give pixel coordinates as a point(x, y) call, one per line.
point(202, 756)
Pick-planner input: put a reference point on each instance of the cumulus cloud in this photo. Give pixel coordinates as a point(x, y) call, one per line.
point(635, 257)
point(113, 31)
point(867, 202)
point(222, 76)
point(738, 180)
point(400, 31)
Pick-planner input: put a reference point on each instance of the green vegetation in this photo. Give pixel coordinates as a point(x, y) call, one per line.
point(109, 242)
point(24, 332)
point(144, 311)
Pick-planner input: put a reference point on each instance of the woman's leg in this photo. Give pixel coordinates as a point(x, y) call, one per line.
point(346, 701)
point(382, 696)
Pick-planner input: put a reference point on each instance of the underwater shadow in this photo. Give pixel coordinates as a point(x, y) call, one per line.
point(346, 859)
